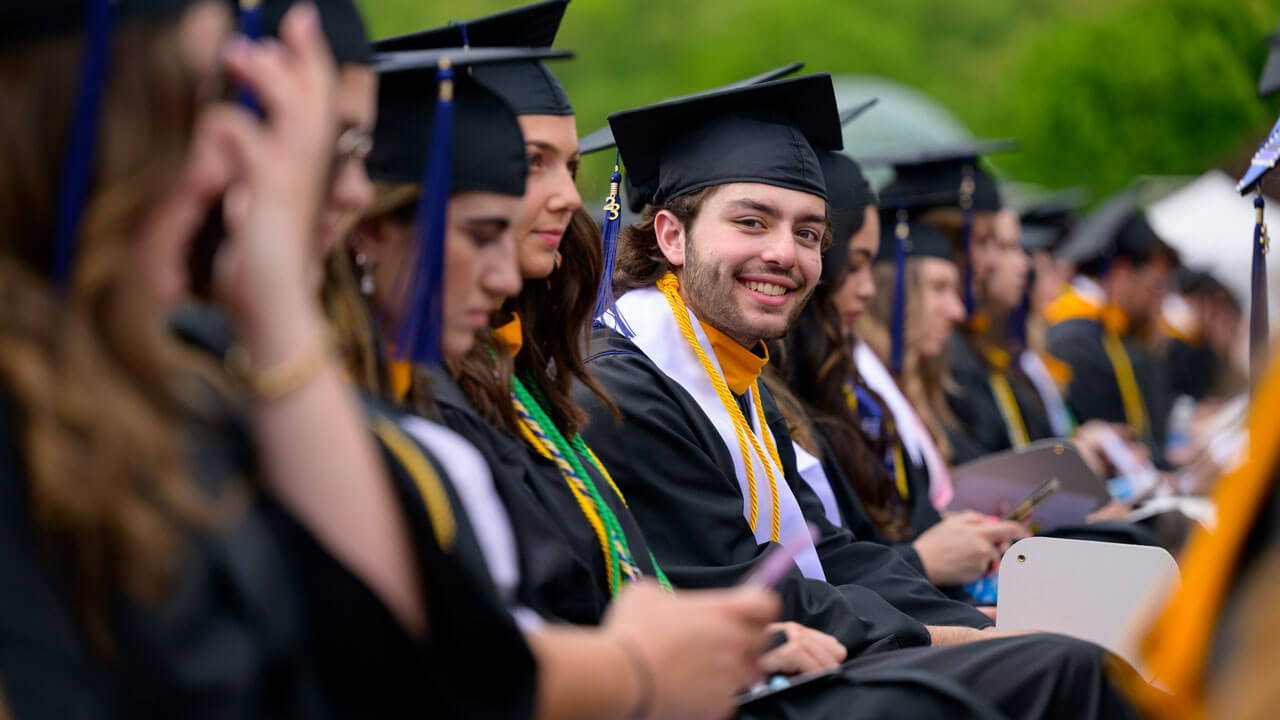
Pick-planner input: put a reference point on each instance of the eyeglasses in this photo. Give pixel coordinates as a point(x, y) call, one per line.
point(352, 144)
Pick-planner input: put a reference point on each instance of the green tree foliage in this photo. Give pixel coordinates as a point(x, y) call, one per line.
point(1097, 91)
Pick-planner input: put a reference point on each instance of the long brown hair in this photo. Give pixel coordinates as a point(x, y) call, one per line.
point(89, 374)
point(924, 381)
point(555, 322)
point(813, 363)
point(640, 262)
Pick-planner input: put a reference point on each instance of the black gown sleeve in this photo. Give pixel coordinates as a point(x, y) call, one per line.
point(980, 428)
point(867, 564)
point(1092, 393)
point(557, 576)
point(46, 668)
point(476, 663)
point(669, 463)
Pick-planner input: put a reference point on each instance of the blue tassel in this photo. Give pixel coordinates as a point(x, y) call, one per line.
point(966, 234)
point(418, 339)
point(82, 142)
point(1259, 324)
point(898, 311)
point(605, 301)
point(249, 21)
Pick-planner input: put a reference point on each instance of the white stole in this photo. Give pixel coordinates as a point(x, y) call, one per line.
point(911, 430)
point(658, 336)
point(469, 475)
point(810, 468)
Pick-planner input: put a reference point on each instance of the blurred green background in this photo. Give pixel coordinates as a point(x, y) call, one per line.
point(1097, 91)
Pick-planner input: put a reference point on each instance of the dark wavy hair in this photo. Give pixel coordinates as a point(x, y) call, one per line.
point(555, 319)
point(814, 362)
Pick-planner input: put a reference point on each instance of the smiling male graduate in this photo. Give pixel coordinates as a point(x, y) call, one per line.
point(725, 256)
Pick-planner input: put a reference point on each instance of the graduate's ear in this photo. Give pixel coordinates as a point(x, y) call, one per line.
point(671, 237)
point(372, 238)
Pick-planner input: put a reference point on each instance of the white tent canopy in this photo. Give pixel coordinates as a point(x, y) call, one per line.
point(1211, 226)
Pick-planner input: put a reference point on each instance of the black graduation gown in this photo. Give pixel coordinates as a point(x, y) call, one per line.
point(563, 573)
point(474, 661)
point(232, 638)
point(1192, 368)
point(686, 497)
point(671, 464)
point(563, 576)
point(981, 428)
point(1094, 393)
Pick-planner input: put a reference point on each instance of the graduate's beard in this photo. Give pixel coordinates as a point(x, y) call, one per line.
point(708, 290)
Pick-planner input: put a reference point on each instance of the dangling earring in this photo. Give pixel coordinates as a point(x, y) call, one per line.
point(366, 277)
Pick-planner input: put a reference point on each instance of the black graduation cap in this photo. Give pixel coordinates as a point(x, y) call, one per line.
point(529, 88)
point(936, 177)
point(946, 176)
point(602, 138)
point(26, 21)
point(466, 137)
point(1118, 227)
point(340, 20)
point(900, 241)
point(764, 133)
point(919, 240)
point(1047, 222)
point(848, 196)
point(488, 147)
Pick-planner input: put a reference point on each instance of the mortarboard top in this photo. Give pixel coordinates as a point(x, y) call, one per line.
point(488, 146)
point(22, 22)
point(765, 133)
point(342, 24)
point(1117, 227)
point(933, 177)
point(1269, 80)
point(529, 88)
point(1047, 222)
point(602, 138)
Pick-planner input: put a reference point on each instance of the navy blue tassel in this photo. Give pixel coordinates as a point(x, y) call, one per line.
point(966, 233)
point(898, 309)
point(1259, 325)
point(1018, 320)
point(418, 338)
point(605, 301)
point(82, 142)
point(249, 21)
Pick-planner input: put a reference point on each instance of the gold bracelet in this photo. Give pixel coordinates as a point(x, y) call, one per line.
point(275, 383)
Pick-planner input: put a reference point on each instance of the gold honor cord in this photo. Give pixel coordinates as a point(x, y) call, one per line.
point(1008, 404)
point(424, 476)
point(537, 440)
point(1135, 411)
point(670, 287)
point(900, 471)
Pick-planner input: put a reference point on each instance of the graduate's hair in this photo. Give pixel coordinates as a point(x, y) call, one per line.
point(640, 262)
point(924, 381)
point(555, 322)
point(356, 323)
point(92, 401)
point(813, 362)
